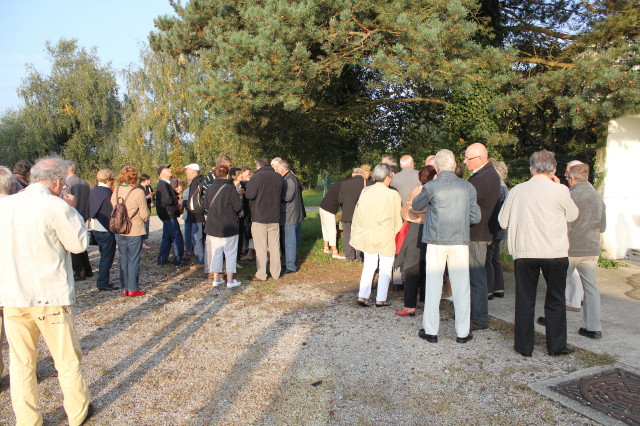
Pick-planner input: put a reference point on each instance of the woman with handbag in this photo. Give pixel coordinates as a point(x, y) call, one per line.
point(130, 241)
point(411, 256)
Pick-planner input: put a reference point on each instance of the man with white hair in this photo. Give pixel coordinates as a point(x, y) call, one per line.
point(37, 289)
point(574, 291)
point(452, 208)
point(535, 214)
point(292, 213)
point(407, 180)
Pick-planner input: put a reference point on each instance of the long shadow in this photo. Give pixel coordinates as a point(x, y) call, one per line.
point(46, 368)
point(199, 313)
point(211, 412)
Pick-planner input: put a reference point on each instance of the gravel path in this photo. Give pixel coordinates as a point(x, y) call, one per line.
point(293, 352)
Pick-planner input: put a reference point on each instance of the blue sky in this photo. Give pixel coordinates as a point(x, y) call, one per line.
point(117, 28)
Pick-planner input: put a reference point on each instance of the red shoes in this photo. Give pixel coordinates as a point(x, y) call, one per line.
point(134, 293)
point(406, 312)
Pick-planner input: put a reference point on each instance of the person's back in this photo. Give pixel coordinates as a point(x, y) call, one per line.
point(584, 232)
point(449, 209)
point(405, 182)
point(537, 226)
point(263, 191)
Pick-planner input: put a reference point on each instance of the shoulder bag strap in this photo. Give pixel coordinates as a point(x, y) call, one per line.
point(215, 196)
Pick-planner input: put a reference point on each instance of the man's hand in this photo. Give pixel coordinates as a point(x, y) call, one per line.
point(70, 199)
point(554, 178)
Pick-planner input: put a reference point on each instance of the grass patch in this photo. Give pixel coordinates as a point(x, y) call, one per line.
point(605, 263)
point(507, 262)
point(312, 197)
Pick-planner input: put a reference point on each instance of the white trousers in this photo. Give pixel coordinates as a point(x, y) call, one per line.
point(328, 223)
point(586, 268)
point(221, 248)
point(457, 259)
point(573, 293)
point(371, 261)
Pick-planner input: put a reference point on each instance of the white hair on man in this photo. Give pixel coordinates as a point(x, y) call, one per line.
point(48, 170)
point(284, 164)
point(381, 171)
point(406, 161)
point(570, 164)
point(358, 171)
point(72, 167)
point(445, 160)
point(275, 162)
point(5, 180)
point(389, 160)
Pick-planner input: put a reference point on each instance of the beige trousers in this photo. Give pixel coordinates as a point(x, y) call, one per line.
point(328, 223)
point(266, 236)
point(56, 324)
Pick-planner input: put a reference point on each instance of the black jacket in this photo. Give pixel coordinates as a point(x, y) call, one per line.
point(100, 207)
point(166, 201)
point(486, 181)
point(222, 217)
point(263, 192)
point(193, 188)
point(330, 201)
point(349, 194)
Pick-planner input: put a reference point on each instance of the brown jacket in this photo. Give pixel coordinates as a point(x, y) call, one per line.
point(138, 201)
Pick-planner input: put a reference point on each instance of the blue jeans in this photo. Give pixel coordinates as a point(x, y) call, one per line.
point(129, 249)
point(145, 237)
point(171, 234)
point(189, 238)
point(107, 246)
point(200, 238)
point(292, 236)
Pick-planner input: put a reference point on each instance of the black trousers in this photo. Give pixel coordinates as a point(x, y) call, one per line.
point(81, 265)
point(349, 252)
point(495, 277)
point(527, 273)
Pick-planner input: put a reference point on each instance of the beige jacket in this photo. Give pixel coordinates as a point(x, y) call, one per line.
point(138, 201)
point(376, 220)
point(38, 232)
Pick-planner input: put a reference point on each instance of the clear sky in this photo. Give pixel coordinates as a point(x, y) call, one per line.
point(117, 28)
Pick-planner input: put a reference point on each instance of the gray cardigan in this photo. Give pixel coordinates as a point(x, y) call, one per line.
point(584, 232)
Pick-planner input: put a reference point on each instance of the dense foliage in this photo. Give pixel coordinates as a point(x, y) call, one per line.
point(331, 83)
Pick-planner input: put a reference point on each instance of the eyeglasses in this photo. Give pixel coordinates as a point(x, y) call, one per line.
point(472, 158)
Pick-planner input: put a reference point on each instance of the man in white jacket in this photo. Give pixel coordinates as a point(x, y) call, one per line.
point(39, 231)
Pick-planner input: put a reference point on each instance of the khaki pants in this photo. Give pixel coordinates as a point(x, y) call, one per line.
point(56, 324)
point(266, 236)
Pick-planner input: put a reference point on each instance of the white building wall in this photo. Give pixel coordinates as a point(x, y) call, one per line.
point(621, 188)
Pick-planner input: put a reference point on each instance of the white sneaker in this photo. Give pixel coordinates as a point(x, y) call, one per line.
point(234, 283)
point(337, 256)
point(326, 251)
point(218, 283)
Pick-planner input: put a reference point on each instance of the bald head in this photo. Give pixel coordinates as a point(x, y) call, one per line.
point(476, 156)
point(406, 161)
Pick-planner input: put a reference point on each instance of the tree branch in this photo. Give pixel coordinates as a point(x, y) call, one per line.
point(540, 30)
point(554, 64)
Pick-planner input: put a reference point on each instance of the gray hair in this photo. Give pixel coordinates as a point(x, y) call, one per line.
point(275, 162)
point(389, 159)
point(543, 162)
point(501, 167)
point(381, 171)
point(284, 164)
point(48, 170)
point(359, 171)
point(5, 180)
point(579, 172)
point(72, 166)
point(445, 160)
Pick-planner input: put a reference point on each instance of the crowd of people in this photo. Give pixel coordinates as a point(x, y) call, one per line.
point(441, 234)
point(436, 229)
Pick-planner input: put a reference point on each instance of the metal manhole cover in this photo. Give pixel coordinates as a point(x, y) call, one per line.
point(613, 392)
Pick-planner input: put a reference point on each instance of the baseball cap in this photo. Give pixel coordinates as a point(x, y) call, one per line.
point(193, 166)
point(161, 168)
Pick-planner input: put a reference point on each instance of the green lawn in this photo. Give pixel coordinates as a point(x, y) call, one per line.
point(312, 197)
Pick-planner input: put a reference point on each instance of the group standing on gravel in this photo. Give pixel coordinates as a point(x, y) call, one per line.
point(429, 227)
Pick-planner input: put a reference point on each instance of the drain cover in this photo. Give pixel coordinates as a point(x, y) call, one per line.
point(614, 392)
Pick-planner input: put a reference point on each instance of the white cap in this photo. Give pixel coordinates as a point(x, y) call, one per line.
point(193, 166)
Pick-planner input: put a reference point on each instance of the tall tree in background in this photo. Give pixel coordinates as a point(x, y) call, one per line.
point(74, 111)
point(522, 75)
